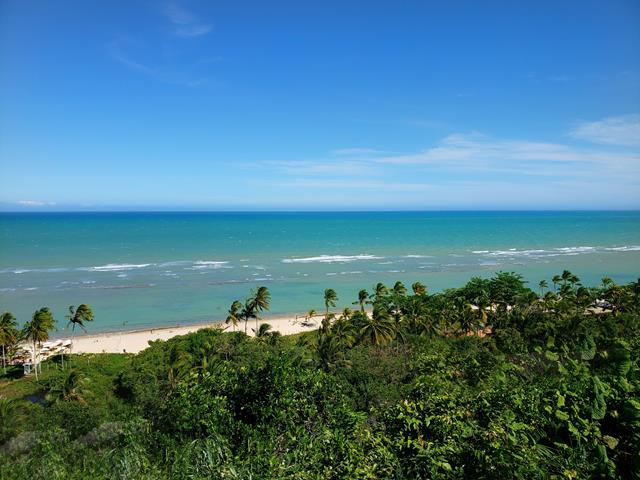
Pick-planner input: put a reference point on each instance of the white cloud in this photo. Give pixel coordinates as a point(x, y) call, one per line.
point(477, 151)
point(193, 30)
point(34, 203)
point(126, 50)
point(463, 157)
point(187, 24)
point(623, 130)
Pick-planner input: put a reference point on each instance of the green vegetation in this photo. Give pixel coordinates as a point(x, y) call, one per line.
point(491, 380)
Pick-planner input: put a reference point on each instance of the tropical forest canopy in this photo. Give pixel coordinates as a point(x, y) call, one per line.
point(491, 380)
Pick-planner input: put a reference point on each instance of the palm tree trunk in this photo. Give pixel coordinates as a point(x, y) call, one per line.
point(73, 336)
point(4, 360)
point(33, 355)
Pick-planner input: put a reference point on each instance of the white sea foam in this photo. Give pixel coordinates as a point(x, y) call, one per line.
point(332, 259)
point(207, 264)
point(175, 263)
point(554, 252)
point(117, 267)
point(418, 256)
point(19, 271)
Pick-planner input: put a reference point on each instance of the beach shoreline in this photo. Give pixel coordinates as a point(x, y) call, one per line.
point(134, 341)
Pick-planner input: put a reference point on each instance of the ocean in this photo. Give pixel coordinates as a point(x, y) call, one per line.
point(156, 269)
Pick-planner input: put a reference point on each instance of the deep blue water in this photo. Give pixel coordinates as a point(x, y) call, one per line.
point(141, 269)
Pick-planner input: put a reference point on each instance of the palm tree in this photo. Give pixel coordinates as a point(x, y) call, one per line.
point(37, 330)
point(363, 296)
point(380, 291)
point(247, 313)
point(8, 335)
point(543, 285)
point(68, 389)
point(260, 302)
point(346, 314)
point(418, 288)
point(399, 289)
point(257, 302)
point(77, 316)
point(330, 298)
point(263, 331)
point(467, 317)
point(377, 329)
point(233, 316)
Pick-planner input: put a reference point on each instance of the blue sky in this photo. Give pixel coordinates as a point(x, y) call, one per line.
point(319, 105)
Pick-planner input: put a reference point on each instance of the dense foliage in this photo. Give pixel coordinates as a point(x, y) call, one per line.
point(492, 380)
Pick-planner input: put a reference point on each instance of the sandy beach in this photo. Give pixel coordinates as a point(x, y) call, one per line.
point(137, 340)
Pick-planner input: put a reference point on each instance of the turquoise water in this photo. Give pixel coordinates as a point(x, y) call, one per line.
point(142, 269)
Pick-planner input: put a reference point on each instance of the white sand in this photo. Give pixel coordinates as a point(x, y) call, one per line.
point(135, 341)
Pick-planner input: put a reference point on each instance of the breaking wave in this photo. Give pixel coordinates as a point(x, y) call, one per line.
point(331, 259)
point(554, 252)
point(117, 267)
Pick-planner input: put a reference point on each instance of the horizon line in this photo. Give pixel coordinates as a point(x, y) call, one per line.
point(451, 210)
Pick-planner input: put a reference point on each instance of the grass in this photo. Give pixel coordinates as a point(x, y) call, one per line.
point(99, 369)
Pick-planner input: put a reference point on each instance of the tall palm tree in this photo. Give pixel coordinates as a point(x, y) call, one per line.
point(77, 317)
point(377, 329)
point(330, 298)
point(247, 313)
point(399, 289)
point(259, 302)
point(418, 288)
point(543, 285)
point(37, 330)
point(363, 296)
point(380, 291)
point(233, 316)
point(8, 335)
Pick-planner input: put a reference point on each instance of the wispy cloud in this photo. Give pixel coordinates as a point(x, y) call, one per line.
point(186, 24)
point(149, 56)
point(463, 156)
point(126, 51)
point(305, 168)
point(622, 130)
point(116, 50)
point(354, 151)
point(475, 150)
point(34, 203)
